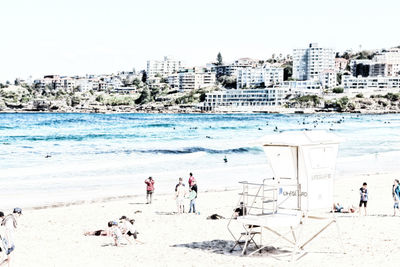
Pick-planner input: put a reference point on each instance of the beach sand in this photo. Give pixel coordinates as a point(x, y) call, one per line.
point(54, 236)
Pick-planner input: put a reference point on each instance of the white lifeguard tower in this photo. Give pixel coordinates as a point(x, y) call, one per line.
point(303, 164)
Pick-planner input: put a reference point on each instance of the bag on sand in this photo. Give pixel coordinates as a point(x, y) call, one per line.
point(215, 217)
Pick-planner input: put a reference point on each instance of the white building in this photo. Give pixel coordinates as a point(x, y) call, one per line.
point(391, 61)
point(259, 77)
point(308, 63)
point(173, 80)
point(191, 79)
point(309, 87)
point(85, 85)
point(341, 64)
point(233, 68)
point(163, 67)
point(328, 79)
point(68, 83)
point(246, 98)
point(370, 84)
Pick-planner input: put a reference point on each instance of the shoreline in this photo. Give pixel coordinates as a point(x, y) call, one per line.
point(108, 199)
point(112, 199)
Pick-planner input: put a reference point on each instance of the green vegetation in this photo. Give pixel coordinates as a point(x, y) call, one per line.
point(392, 97)
point(359, 95)
point(219, 59)
point(339, 77)
point(287, 70)
point(306, 101)
point(144, 97)
point(338, 90)
point(227, 81)
point(144, 77)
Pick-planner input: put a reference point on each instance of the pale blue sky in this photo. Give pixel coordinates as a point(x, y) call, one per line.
point(97, 36)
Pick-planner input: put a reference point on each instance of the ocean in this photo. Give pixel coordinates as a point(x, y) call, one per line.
point(48, 159)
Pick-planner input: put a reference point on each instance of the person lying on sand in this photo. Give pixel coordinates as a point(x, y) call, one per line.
point(339, 208)
point(114, 231)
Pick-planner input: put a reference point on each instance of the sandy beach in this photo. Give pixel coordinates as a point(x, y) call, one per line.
point(54, 236)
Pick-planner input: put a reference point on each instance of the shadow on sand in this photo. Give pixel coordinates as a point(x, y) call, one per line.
point(224, 247)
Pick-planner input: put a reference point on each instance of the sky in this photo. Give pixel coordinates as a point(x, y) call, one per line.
point(77, 37)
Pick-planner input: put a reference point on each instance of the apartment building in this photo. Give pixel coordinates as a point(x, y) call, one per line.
point(192, 79)
point(245, 98)
point(385, 63)
point(164, 67)
point(341, 64)
point(360, 67)
point(328, 79)
point(233, 68)
point(259, 77)
point(308, 87)
point(308, 63)
point(370, 84)
point(173, 80)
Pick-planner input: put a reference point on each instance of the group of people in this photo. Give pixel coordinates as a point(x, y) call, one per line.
point(337, 207)
point(181, 193)
point(364, 195)
point(8, 224)
point(118, 230)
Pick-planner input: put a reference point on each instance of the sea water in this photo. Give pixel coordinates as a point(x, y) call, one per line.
point(51, 158)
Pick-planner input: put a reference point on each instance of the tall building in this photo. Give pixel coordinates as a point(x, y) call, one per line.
point(308, 63)
point(163, 67)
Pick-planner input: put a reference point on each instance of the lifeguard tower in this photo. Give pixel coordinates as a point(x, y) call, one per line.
point(303, 164)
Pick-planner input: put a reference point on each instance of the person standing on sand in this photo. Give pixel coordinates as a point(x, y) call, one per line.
point(10, 224)
point(192, 197)
point(363, 198)
point(191, 180)
point(149, 189)
point(396, 196)
point(180, 194)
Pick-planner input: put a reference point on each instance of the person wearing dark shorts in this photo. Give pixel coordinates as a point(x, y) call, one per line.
point(149, 189)
point(363, 198)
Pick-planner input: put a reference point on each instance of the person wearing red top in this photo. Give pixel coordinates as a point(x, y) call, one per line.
point(149, 189)
point(191, 179)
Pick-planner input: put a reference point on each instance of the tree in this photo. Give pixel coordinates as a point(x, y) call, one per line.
point(219, 59)
point(228, 81)
point(144, 76)
point(144, 97)
point(339, 78)
point(287, 72)
point(136, 82)
point(342, 103)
